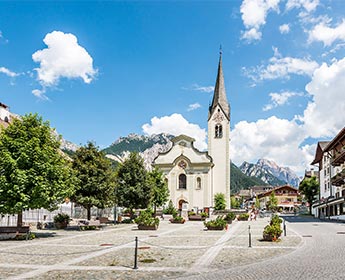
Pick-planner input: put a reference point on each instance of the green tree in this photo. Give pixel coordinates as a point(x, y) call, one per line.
point(219, 201)
point(96, 184)
point(160, 191)
point(33, 171)
point(133, 189)
point(257, 202)
point(272, 203)
point(235, 204)
point(309, 187)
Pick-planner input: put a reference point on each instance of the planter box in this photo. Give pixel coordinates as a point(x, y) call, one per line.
point(62, 225)
point(215, 228)
point(144, 227)
point(268, 237)
point(177, 222)
point(196, 218)
point(229, 222)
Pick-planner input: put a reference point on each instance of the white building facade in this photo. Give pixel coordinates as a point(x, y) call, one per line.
point(194, 177)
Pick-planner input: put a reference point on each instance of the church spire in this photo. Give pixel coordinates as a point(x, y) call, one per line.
point(219, 96)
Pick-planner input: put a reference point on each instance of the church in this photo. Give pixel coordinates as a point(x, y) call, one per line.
point(194, 177)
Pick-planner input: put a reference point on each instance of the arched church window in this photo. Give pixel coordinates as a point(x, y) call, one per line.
point(6, 119)
point(218, 131)
point(198, 183)
point(182, 181)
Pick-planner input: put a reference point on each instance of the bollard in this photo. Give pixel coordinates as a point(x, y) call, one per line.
point(136, 254)
point(250, 237)
point(284, 228)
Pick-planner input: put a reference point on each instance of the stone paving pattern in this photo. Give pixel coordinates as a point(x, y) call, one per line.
point(177, 251)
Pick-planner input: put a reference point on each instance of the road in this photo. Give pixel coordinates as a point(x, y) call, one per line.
point(321, 256)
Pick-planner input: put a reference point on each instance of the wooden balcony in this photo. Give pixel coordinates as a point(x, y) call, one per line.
point(339, 157)
point(338, 179)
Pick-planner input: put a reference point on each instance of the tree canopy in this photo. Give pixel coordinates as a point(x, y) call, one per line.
point(159, 188)
point(309, 187)
point(272, 203)
point(133, 189)
point(33, 171)
point(96, 184)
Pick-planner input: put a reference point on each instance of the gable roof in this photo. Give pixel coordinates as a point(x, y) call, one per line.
point(320, 149)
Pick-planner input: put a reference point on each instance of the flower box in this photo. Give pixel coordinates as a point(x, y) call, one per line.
point(215, 228)
point(145, 227)
point(196, 218)
point(177, 221)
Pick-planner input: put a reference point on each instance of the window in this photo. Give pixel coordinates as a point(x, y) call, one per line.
point(182, 181)
point(6, 119)
point(198, 183)
point(218, 131)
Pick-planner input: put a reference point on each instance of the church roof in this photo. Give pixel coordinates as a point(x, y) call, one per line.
point(219, 96)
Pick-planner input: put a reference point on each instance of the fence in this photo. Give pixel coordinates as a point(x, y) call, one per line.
point(33, 216)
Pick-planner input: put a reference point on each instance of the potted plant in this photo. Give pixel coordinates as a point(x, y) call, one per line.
point(177, 219)
point(243, 217)
point(272, 232)
point(170, 211)
point(192, 216)
point(218, 224)
point(61, 220)
point(230, 217)
point(145, 221)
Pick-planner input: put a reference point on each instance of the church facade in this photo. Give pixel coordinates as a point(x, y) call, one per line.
point(194, 177)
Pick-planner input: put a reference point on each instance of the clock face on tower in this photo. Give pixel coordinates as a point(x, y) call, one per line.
point(182, 164)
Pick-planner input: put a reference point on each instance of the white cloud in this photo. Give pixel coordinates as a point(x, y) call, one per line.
point(324, 115)
point(281, 67)
point(279, 99)
point(40, 94)
point(193, 106)
point(63, 58)
point(8, 72)
point(284, 28)
point(252, 34)
point(176, 124)
point(196, 87)
point(324, 33)
point(254, 13)
point(308, 5)
point(273, 138)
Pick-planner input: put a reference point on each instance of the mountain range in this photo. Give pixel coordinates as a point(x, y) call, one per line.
point(264, 172)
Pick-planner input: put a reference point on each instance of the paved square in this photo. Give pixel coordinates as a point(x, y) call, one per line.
point(172, 251)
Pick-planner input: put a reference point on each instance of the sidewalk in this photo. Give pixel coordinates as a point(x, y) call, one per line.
point(171, 251)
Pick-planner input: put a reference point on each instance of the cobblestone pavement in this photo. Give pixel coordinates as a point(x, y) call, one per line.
point(321, 256)
point(176, 251)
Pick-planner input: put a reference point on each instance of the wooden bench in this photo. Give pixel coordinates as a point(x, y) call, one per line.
point(15, 229)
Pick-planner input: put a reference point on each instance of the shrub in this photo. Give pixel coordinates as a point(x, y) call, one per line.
point(62, 218)
point(191, 213)
point(275, 220)
point(145, 218)
point(219, 201)
point(177, 219)
point(243, 217)
point(218, 222)
point(170, 210)
point(230, 216)
point(272, 231)
point(204, 215)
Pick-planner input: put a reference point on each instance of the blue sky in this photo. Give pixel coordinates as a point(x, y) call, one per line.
point(101, 70)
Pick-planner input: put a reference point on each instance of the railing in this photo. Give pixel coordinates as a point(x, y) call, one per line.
point(338, 158)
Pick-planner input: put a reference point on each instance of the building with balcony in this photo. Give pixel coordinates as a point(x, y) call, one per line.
point(330, 158)
point(287, 197)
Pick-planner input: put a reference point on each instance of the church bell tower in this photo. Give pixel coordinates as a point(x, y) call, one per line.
point(219, 138)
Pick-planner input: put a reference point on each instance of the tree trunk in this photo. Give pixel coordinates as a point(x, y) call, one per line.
point(88, 213)
point(154, 211)
point(310, 206)
point(131, 214)
point(20, 219)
